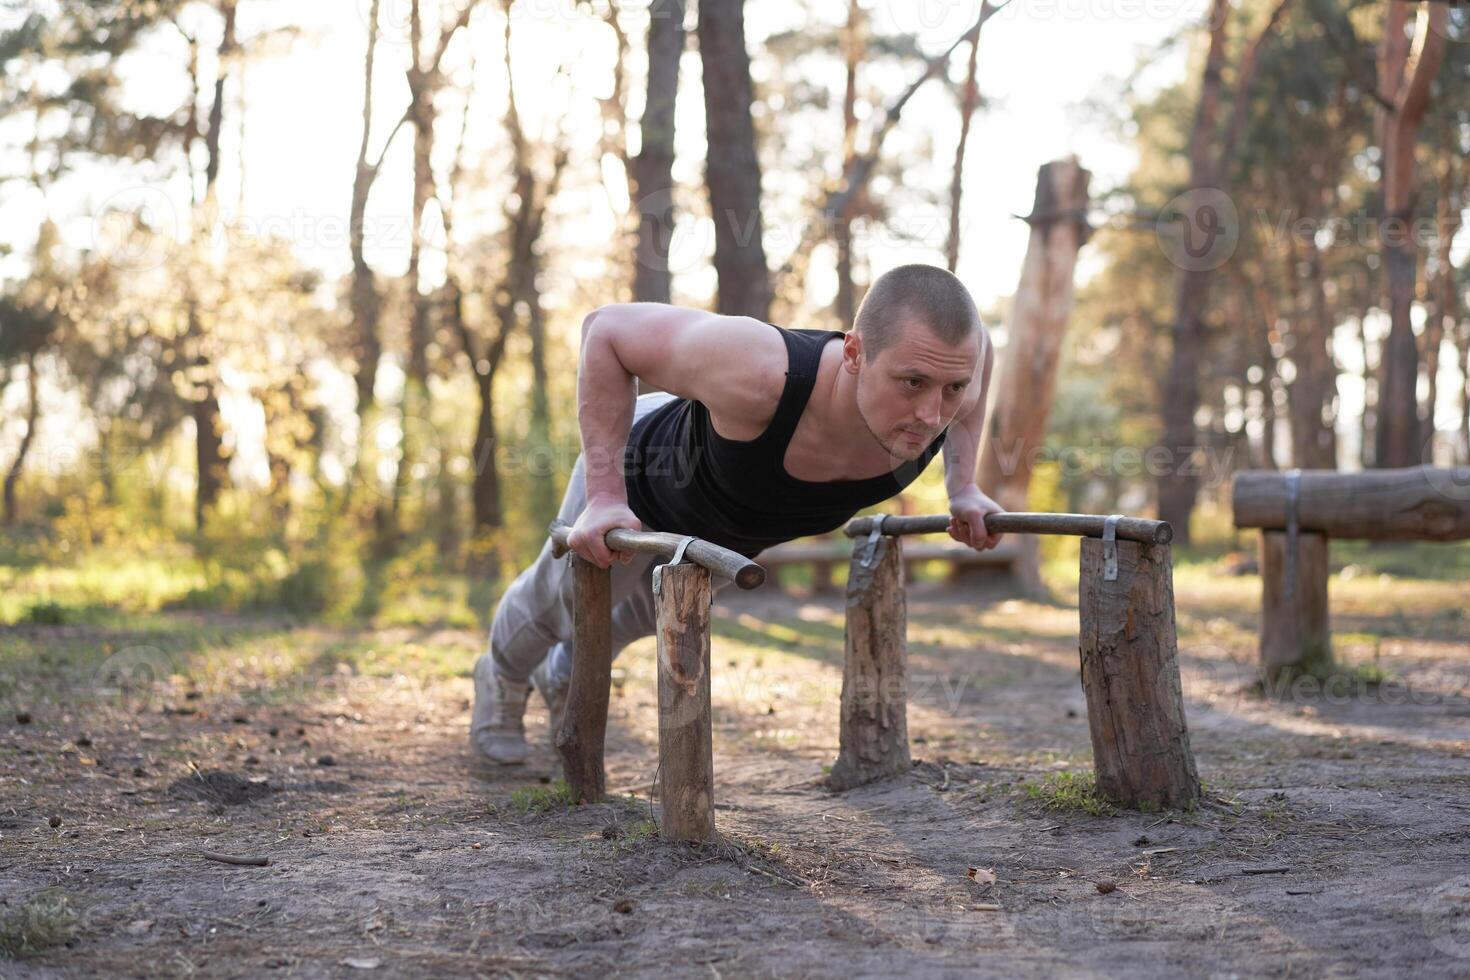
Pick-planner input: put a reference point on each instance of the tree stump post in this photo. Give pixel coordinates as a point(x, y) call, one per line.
point(685, 741)
point(874, 734)
point(1295, 633)
point(580, 739)
point(1130, 675)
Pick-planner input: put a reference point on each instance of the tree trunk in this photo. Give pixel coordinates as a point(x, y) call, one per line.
point(544, 500)
point(1405, 74)
point(969, 100)
point(732, 166)
point(364, 300)
point(1444, 301)
point(653, 167)
point(1043, 302)
point(33, 416)
point(1313, 392)
point(1210, 159)
point(485, 495)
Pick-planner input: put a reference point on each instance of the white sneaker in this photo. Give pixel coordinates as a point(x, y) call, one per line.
point(498, 722)
point(555, 697)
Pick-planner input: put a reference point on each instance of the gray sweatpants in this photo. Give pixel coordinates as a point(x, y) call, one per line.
point(534, 617)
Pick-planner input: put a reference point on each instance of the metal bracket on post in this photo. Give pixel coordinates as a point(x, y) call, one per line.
point(678, 557)
point(1110, 547)
point(1293, 529)
point(870, 546)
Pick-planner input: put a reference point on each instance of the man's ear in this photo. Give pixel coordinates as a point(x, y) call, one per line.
point(852, 352)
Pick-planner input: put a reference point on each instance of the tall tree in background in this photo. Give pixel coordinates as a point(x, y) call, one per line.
point(846, 200)
point(1297, 155)
point(652, 168)
point(512, 300)
point(200, 377)
point(1407, 66)
point(732, 166)
point(425, 77)
point(969, 102)
point(1211, 155)
point(363, 298)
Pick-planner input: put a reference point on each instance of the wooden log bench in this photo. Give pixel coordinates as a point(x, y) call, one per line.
point(825, 555)
point(1127, 645)
point(1298, 511)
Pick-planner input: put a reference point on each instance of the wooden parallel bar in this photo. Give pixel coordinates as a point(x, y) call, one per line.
point(1137, 529)
point(745, 573)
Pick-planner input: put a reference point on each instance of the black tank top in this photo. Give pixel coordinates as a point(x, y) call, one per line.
point(683, 476)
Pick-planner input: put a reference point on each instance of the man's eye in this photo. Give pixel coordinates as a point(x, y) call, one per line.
point(912, 382)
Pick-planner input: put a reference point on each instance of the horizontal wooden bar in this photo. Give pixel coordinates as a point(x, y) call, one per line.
point(745, 573)
point(1018, 522)
point(1415, 502)
point(793, 554)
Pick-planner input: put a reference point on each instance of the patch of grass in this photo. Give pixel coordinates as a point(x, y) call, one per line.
point(1321, 675)
point(46, 919)
point(1070, 791)
point(47, 612)
point(556, 795)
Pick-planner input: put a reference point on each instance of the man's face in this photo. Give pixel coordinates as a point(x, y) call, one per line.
point(913, 389)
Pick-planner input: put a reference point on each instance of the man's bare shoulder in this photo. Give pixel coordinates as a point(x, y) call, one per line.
point(746, 372)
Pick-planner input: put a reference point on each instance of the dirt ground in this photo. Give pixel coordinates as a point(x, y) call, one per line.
point(1335, 840)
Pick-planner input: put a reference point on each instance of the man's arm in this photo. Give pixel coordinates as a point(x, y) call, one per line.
point(968, 504)
point(725, 362)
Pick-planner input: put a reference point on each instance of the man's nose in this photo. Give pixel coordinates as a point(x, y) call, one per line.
point(930, 409)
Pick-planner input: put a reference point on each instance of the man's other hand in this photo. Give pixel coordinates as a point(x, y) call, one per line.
point(967, 510)
point(588, 533)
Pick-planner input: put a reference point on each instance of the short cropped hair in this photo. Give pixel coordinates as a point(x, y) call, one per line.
point(927, 294)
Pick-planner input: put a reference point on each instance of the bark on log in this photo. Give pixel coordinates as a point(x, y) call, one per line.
point(1416, 502)
point(1295, 633)
point(1130, 675)
point(580, 739)
point(873, 736)
point(685, 746)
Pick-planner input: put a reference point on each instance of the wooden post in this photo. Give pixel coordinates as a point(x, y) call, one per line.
point(579, 740)
point(1130, 675)
point(1295, 634)
point(685, 743)
point(874, 733)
